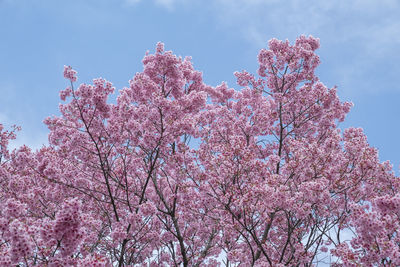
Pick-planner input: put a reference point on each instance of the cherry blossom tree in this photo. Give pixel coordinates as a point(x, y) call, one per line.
point(179, 173)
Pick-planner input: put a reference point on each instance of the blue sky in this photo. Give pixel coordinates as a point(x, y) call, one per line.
point(360, 44)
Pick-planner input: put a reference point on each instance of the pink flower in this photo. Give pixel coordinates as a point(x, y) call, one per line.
point(69, 73)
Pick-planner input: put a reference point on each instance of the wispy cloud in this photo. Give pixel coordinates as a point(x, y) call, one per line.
point(375, 23)
point(168, 4)
point(364, 33)
point(337, 20)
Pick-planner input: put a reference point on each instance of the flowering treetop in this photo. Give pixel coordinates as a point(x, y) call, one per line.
point(273, 181)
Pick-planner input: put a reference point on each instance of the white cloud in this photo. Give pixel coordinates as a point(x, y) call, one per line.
point(376, 22)
point(362, 34)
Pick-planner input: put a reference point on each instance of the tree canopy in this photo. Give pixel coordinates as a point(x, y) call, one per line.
point(179, 173)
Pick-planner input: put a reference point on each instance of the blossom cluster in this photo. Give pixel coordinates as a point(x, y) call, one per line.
point(176, 172)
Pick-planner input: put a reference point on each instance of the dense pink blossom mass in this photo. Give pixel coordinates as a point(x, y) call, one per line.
point(179, 173)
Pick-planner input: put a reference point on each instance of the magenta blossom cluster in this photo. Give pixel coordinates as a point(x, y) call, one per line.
point(69, 73)
point(179, 173)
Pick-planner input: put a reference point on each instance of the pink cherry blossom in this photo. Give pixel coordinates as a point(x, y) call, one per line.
point(176, 172)
point(69, 73)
